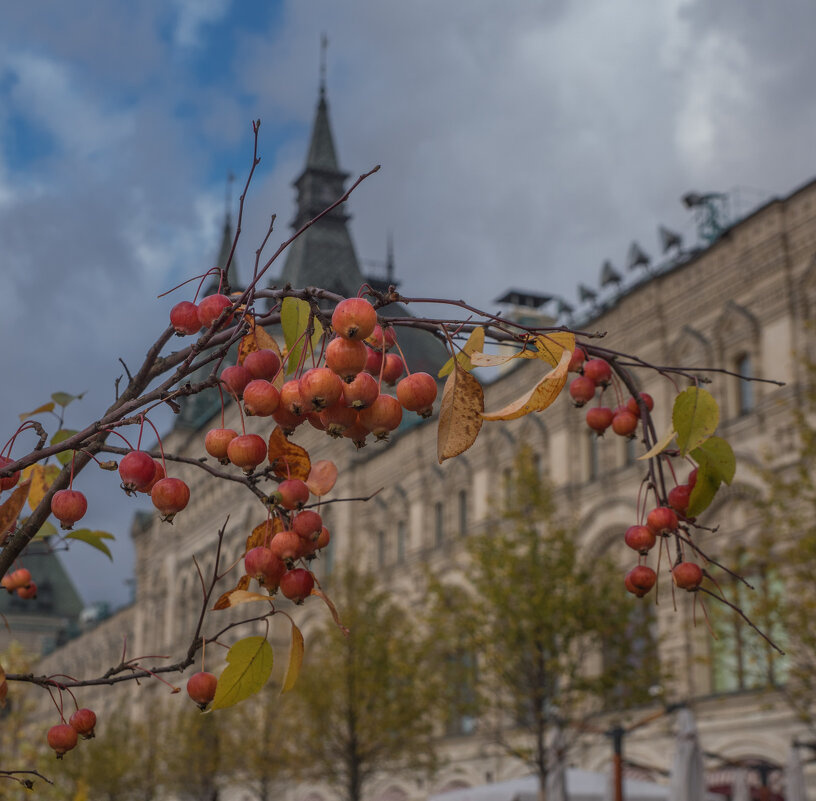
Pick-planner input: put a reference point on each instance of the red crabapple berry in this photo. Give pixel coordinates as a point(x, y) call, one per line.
point(83, 721)
point(598, 371)
point(662, 520)
point(261, 398)
point(16, 579)
point(361, 392)
point(679, 497)
point(236, 378)
point(291, 400)
point(291, 493)
point(599, 418)
point(624, 423)
point(265, 566)
point(576, 360)
point(157, 476)
point(297, 584)
point(68, 506)
point(687, 575)
point(338, 417)
point(582, 390)
point(640, 579)
point(136, 469)
point(319, 387)
point(217, 441)
point(307, 524)
point(28, 592)
point(286, 419)
point(417, 393)
point(393, 369)
point(354, 318)
point(201, 688)
point(7, 482)
point(374, 360)
point(263, 363)
point(633, 406)
point(640, 538)
point(381, 340)
point(247, 451)
point(288, 546)
point(357, 433)
point(170, 496)
point(382, 417)
point(346, 357)
point(62, 738)
point(184, 318)
point(692, 478)
point(210, 308)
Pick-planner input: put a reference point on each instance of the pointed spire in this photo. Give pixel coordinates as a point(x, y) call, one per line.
point(225, 247)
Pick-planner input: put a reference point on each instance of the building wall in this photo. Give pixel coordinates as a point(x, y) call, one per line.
point(752, 294)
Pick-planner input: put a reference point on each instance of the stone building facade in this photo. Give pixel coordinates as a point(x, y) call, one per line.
point(743, 303)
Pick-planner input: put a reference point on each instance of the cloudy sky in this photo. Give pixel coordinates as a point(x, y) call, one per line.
point(521, 144)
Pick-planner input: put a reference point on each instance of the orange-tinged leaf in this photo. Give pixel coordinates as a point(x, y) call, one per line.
point(539, 397)
point(287, 459)
point(263, 533)
point(46, 407)
point(295, 660)
point(223, 601)
point(42, 477)
point(322, 477)
point(460, 414)
point(238, 597)
point(10, 510)
point(332, 608)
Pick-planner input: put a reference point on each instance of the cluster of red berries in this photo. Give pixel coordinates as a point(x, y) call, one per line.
point(595, 374)
point(342, 397)
point(189, 319)
point(140, 472)
point(64, 736)
point(19, 581)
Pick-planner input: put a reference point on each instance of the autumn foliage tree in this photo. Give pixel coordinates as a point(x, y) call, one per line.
point(332, 371)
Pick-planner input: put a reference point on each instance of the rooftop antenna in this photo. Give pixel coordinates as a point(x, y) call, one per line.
point(710, 213)
point(324, 44)
point(637, 257)
point(609, 275)
point(669, 239)
point(586, 294)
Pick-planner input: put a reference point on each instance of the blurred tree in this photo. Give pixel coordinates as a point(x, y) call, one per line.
point(368, 700)
point(556, 640)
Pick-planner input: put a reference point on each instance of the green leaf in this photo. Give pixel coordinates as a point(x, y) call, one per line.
point(248, 669)
point(474, 342)
point(703, 493)
point(63, 398)
point(92, 538)
point(295, 316)
point(695, 417)
point(717, 458)
point(63, 457)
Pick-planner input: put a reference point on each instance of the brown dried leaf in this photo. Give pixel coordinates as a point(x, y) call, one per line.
point(238, 597)
point(332, 608)
point(295, 660)
point(42, 477)
point(10, 510)
point(287, 459)
point(479, 359)
point(459, 414)
point(262, 533)
point(539, 397)
point(322, 477)
point(223, 601)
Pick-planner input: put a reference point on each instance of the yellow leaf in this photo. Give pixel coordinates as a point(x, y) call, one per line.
point(475, 342)
point(459, 414)
point(42, 477)
point(46, 407)
point(237, 597)
point(659, 446)
point(479, 359)
point(249, 665)
point(295, 660)
point(262, 535)
point(551, 346)
point(539, 397)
